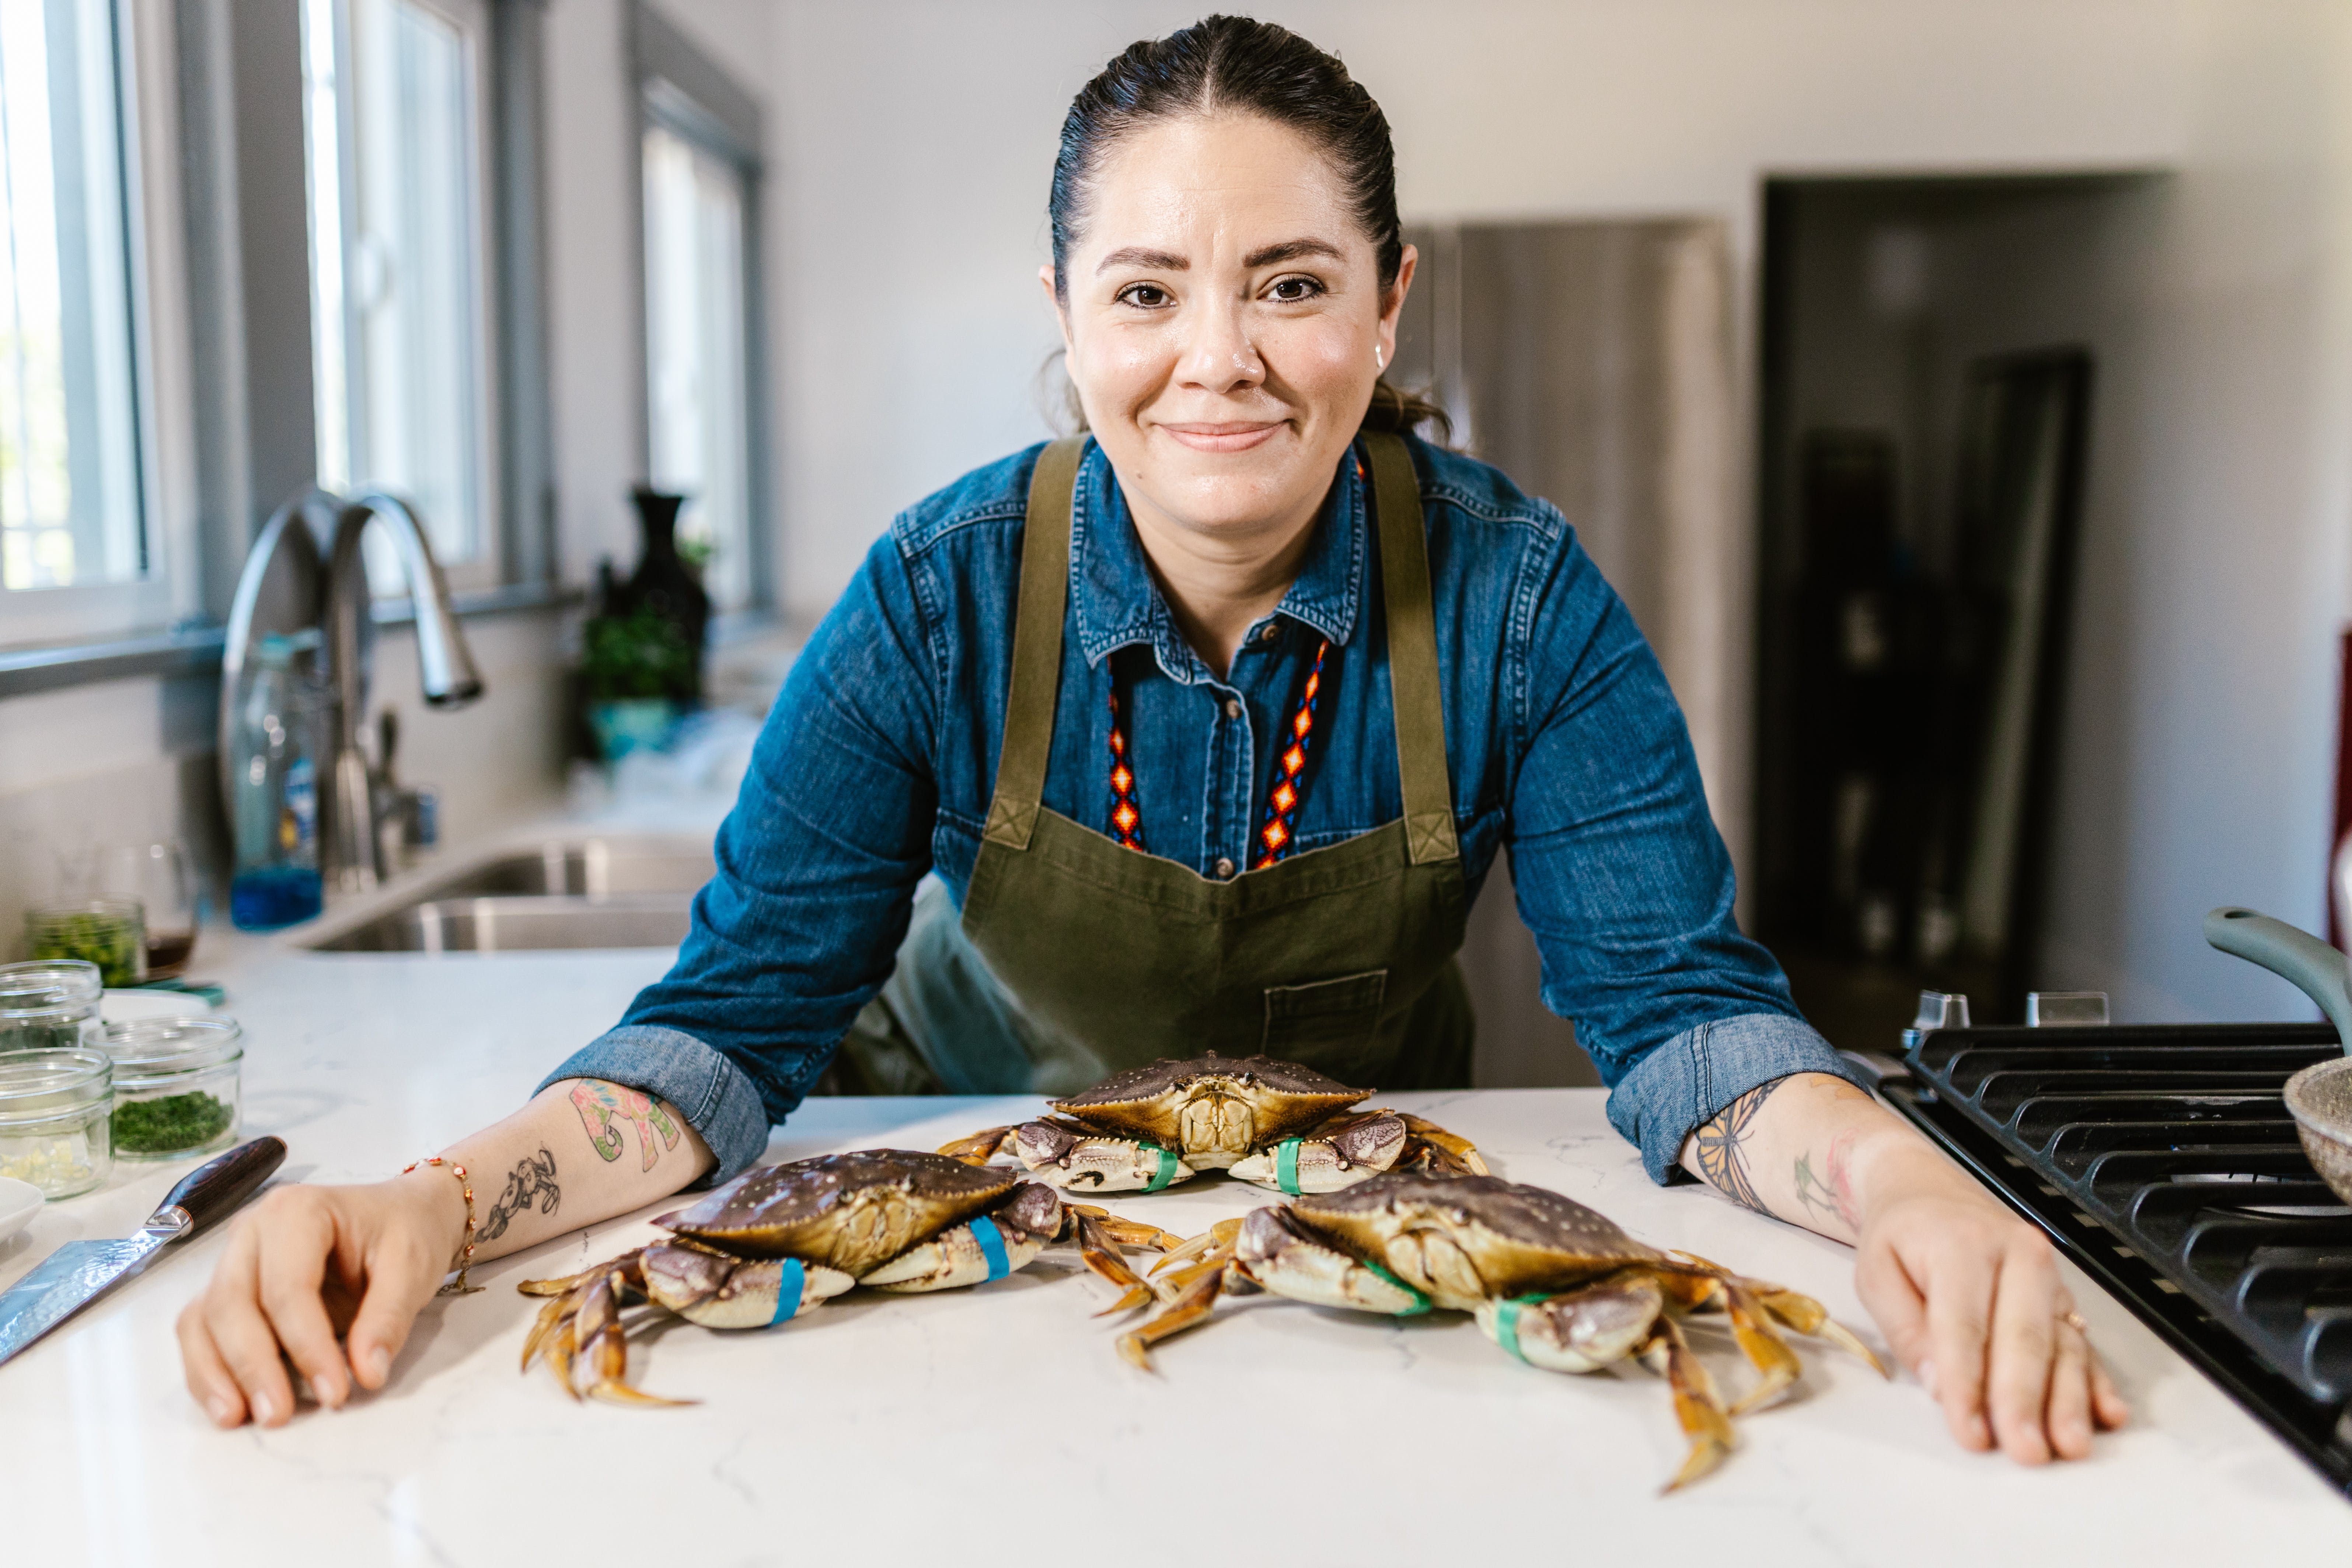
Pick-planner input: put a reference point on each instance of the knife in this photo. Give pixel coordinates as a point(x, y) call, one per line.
point(79, 1272)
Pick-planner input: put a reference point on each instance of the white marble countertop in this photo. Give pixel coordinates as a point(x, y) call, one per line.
point(997, 1424)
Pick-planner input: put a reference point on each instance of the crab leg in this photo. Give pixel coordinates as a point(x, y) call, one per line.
point(1190, 1307)
point(599, 1328)
point(1101, 1255)
point(1696, 1406)
point(1762, 1344)
point(1221, 1234)
point(1808, 1316)
point(1128, 1232)
point(981, 1147)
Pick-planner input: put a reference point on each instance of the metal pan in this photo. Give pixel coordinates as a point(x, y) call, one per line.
point(2319, 1097)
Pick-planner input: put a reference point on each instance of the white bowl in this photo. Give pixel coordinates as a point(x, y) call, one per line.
point(19, 1202)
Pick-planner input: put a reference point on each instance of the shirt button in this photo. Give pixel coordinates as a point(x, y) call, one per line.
point(1233, 707)
point(1224, 867)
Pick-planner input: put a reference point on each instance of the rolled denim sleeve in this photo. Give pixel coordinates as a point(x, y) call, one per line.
point(1683, 1084)
point(710, 1090)
point(1626, 885)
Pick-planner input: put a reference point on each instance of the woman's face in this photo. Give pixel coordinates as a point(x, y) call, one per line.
point(1224, 322)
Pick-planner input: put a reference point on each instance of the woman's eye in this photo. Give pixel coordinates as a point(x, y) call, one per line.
point(1150, 296)
point(1292, 290)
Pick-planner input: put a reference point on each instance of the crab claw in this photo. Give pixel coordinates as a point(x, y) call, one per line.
point(1447, 1153)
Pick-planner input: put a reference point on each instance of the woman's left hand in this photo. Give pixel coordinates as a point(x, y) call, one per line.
point(1970, 1300)
point(1968, 1296)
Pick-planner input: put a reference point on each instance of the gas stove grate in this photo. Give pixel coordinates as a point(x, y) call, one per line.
point(2161, 1160)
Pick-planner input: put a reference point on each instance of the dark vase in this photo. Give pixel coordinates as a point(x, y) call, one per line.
point(663, 583)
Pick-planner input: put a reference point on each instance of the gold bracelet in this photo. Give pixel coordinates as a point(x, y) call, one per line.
point(464, 1258)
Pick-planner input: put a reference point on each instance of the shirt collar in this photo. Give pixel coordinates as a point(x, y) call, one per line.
point(1118, 602)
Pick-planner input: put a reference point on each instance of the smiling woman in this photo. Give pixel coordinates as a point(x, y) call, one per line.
point(1207, 727)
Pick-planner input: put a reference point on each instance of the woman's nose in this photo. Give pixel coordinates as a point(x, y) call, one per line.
point(1218, 354)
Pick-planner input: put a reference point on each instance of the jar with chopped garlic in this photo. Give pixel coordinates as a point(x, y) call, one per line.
point(53, 1129)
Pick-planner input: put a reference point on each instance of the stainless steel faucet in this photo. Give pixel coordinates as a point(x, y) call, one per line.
point(287, 586)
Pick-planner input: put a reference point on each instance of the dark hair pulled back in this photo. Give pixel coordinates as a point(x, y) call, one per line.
point(1235, 65)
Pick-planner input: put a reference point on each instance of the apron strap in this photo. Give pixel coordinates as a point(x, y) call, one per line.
point(1036, 645)
point(1413, 689)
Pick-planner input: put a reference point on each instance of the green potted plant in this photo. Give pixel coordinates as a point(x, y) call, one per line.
point(637, 671)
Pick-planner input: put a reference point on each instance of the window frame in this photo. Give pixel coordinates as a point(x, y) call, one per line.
point(476, 22)
point(168, 592)
point(679, 87)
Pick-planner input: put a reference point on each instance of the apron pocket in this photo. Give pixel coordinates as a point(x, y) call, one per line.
point(1338, 1012)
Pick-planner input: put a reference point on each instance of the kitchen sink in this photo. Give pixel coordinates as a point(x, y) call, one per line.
point(611, 891)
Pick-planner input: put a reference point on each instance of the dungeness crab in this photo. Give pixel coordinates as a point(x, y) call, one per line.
point(780, 1239)
point(1554, 1283)
point(1276, 1123)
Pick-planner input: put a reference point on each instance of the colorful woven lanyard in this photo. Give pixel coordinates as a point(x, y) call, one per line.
point(1279, 828)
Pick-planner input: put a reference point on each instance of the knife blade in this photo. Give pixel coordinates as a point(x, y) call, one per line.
point(79, 1272)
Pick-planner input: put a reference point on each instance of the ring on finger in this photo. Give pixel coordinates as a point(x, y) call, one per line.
point(2073, 1320)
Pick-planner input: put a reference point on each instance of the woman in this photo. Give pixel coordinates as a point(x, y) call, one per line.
point(1209, 726)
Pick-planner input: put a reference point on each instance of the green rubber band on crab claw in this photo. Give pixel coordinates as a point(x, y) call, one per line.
point(1420, 1301)
point(789, 1283)
point(992, 1246)
point(1167, 1170)
point(1286, 1167)
point(1506, 1325)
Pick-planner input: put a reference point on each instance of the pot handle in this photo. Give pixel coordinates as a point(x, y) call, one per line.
point(2317, 969)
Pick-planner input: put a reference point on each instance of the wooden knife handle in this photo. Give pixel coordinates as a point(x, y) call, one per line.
point(214, 1189)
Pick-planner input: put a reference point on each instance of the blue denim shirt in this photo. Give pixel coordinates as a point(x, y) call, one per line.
point(1563, 743)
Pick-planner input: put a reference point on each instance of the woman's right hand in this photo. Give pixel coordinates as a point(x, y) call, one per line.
point(330, 1278)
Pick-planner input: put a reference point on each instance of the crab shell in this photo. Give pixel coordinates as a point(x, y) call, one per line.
point(1463, 1241)
point(1212, 1111)
point(852, 1213)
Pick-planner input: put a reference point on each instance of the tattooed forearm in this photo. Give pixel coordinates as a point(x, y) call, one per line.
point(1830, 1195)
point(531, 1182)
point(603, 1105)
point(1721, 1147)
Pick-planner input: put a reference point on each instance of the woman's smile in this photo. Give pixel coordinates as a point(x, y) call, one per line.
point(1225, 435)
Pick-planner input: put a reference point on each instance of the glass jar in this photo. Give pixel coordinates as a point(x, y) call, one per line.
point(176, 1086)
point(108, 932)
point(50, 1006)
point(53, 1118)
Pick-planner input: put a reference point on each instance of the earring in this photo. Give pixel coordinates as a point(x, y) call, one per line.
point(1378, 362)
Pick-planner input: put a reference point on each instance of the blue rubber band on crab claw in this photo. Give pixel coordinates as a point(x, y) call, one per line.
point(992, 1246)
point(789, 1283)
point(1285, 1166)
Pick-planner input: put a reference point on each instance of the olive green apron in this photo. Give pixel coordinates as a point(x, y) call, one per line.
point(1076, 957)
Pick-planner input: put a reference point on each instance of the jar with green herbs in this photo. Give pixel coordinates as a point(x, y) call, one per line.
point(108, 932)
point(54, 1126)
point(49, 1006)
point(176, 1085)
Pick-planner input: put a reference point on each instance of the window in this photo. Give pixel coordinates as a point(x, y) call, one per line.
point(71, 509)
point(697, 330)
point(394, 96)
